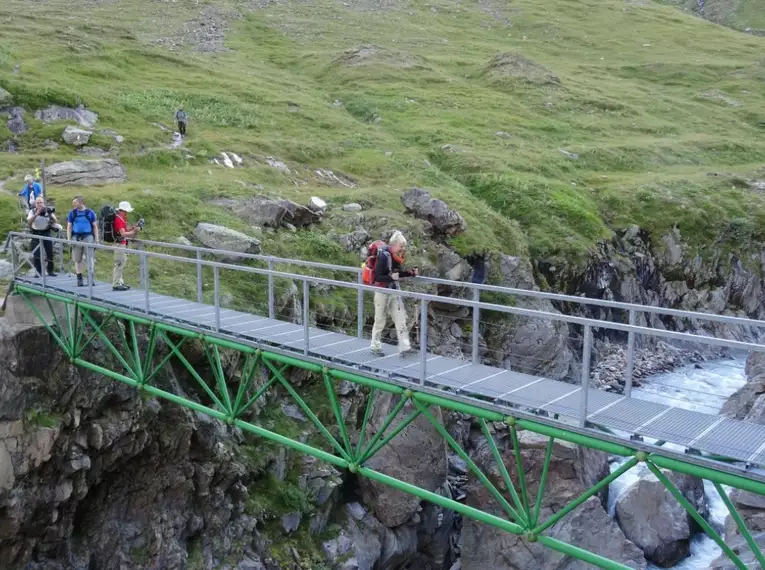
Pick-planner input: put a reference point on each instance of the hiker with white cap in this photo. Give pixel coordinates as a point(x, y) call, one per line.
point(122, 233)
point(31, 191)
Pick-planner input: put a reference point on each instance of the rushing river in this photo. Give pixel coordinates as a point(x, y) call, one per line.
point(703, 389)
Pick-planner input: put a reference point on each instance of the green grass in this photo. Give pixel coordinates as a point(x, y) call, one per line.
point(649, 98)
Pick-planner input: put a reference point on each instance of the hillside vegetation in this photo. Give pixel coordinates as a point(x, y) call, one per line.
point(738, 14)
point(599, 114)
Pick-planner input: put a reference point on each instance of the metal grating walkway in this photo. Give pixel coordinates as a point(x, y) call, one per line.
point(739, 440)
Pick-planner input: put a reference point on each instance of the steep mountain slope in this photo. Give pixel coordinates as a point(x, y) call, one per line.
point(748, 15)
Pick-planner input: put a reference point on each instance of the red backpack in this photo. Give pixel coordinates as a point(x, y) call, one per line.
point(368, 269)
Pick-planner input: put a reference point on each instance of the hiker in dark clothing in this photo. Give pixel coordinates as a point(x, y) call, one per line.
point(387, 272)
point(181, 118)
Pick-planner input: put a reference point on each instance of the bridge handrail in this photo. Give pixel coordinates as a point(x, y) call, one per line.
point(575, 299)
point(425, 297)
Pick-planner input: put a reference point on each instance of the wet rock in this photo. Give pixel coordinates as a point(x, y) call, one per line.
point(421, 205)
point(651, 517)
point(80, 115)
point(220, 237)
point(86, 172)
point(75, 136)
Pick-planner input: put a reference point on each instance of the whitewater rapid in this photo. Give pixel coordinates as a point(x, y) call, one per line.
point(704, 389)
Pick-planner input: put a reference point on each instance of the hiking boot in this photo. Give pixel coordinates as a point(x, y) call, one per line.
point(406, 351)
point(122, 287)
point(80, 282)
point(377, 352)
point(52, 274)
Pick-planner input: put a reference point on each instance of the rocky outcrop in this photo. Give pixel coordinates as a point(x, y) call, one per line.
point(271, 212)
point(86, 173)
point(220, 237)
point(79, 115)
point(74, 136)
point(651, 517)
point(445, 221)
point(748, 402)
point(418, 455)
point(572, 471)
point(740, 547)
point(16, 122)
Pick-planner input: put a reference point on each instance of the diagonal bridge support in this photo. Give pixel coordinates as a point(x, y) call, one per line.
point(238, 378)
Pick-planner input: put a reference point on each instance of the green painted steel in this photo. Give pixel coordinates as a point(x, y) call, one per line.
point(138, 362)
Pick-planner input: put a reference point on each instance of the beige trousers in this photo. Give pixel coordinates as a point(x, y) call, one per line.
point(119, 265)
point(386, 305)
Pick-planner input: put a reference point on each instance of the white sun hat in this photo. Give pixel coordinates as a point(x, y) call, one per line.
point(125, 207)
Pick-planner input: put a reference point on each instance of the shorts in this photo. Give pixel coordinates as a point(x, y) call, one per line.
point(78, 252)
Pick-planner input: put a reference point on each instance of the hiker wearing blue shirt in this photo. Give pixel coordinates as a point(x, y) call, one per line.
point(31, 191)
point(81, 227)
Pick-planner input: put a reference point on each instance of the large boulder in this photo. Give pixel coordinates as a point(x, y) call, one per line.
point(422, 205)
point(740, 547)
point(529, 344)
point(220, 237)
point(417, 455)
point(86, 172)
point(80, 115)
point(76, 136)
point(651, 517)
point(16, 122)
point(572, 471)
point(271, 212)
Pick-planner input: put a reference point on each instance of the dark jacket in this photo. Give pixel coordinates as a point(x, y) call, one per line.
point(385, 266)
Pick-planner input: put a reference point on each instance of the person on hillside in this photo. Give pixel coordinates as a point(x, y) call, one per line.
point(122, 232)
point(82, 226)
point(40, 221)
point(388, 271)
point(181, 118)
point(31, 191)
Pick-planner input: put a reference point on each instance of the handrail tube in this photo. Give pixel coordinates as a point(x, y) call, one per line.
point(532, 313)
point(462, 284)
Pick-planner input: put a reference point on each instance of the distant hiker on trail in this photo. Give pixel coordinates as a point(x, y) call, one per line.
point(40, 220)
point(181, 118)
point(384, 269)
point(31, 191)
point(122, 232)
point(82, 227)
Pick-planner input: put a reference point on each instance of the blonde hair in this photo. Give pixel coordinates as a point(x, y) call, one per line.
point(397, 239)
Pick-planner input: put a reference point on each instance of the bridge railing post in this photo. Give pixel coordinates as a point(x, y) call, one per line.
point(360, 308)
point(476, 324)
point(43, 259)
point(306, 320)
point(200, 298)
point(630, 357)
point(271, 307)
point(586, 352)
point(423, 341)
point(216, 295)
point(145, 282)
point(91, 269)
point(61, 247)
point(14, 255)
point(141, 267)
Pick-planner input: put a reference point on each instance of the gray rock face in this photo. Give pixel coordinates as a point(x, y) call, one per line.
point(220, 237)
point(80, 115)
point(571, 472)
point(16, 122)
point(353, 241)
point(652, 519)
point(86, 173)
point(418, 455)
point(273, 213)
point(75, 136)
point(531, 345)
point(445, 221)
point(740, 547)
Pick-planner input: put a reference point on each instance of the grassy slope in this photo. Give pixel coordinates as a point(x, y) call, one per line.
point(738, 14)
point(638, 100)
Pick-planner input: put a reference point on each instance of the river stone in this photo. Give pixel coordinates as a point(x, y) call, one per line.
point(444, 221)
point(86, 172)
point(651, 517)
point(417, 455)
point(572, 471)
point(220, 237)
point(75, 136)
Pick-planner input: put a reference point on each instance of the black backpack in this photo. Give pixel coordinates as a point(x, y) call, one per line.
point(107, 224)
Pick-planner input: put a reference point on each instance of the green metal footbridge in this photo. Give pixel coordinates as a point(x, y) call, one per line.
point(143, 329)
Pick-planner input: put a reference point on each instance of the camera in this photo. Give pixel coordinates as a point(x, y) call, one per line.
point(141, 223)
point(51, 209)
